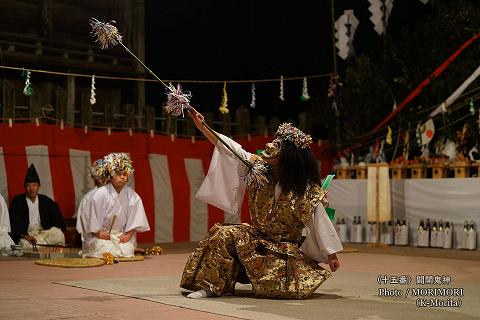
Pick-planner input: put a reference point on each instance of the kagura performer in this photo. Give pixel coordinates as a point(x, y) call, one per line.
point(269, 253)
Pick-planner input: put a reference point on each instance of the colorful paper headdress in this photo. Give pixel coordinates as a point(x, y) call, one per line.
point(98, 170)
point(116, 163)
point(287, 131)
point(32, 175)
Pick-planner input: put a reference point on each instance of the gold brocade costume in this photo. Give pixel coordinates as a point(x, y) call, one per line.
point(266, 253)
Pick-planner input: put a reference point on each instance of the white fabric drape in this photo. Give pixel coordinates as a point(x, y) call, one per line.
point(453, 199)
point(5, 240)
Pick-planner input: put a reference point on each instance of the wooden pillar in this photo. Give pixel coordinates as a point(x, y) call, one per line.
point(46, 106)
point(303, 122)
point(171, 125)
point(35, 106)
point(150, 118)
point(129, 112)
point(8, 102)
point(112, 106)
point(260, 125)
point(86, 109)
point(70, 107)
point(190, 129)
point(226, 124)
point(242, 115)
point(208, 115)
point(47, 18)
point(274, 124)
point(61, 103)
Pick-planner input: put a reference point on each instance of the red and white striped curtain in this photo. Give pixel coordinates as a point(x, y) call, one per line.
point(168, 173)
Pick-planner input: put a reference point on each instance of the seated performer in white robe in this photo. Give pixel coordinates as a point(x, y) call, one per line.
point(6, 241)
point(114, 214)
point(267, 253)
point(100, 178)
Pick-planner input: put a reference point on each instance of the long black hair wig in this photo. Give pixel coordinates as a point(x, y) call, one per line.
point(296, 168)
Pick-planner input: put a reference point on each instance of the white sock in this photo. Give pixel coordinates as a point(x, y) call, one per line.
point(200, 294)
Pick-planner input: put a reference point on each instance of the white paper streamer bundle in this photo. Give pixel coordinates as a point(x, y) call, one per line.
point(281, 89)
point(253, 103)
point(92, 91)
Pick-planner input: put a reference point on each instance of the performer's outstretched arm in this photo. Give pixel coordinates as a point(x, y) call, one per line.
point(197, 118)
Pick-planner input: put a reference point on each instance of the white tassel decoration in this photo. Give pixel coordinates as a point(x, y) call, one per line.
point(92, 91)
point(305, 96)
point(281, 89)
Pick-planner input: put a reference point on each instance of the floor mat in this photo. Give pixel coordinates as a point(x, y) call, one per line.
point(346, 295)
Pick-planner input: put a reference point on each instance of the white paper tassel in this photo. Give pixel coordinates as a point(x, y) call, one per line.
point(305, 96)
point(381, 10)
point(281, 89)
point(424, 1)
point(253, 103)
point(27, 89)
point(345, 28)
point(92, 91)
point(224, 105)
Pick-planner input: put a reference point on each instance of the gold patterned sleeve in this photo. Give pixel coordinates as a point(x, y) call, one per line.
point(305, 207)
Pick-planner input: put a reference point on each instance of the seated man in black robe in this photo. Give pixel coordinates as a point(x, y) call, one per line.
point(34, 217)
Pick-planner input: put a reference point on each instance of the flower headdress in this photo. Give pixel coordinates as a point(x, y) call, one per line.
point(118, 162)
point(287, 131)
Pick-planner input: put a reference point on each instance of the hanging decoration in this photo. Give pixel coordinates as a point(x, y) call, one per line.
point(418, 135)
point(456, 94)
point(253, 103)
point(335, 92)
point(376, 150)
point(92, 91)
point(472, 107)
point(224, 105)
point(381, 10)
point(345, 28)
point(427, 131)
point(389, 139)
point(106, 35)
point(281, 89)
point(424, 1)
point(305, 96)
point(27, 89)
point(406, 144)
point(426, 82)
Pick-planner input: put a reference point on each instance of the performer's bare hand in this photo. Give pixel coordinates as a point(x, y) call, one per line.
point(333, 262)
point(104, 235)
point(125, 237)
point(196, 116)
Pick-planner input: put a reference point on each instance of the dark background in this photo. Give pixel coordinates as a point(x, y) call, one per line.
point(248, 39)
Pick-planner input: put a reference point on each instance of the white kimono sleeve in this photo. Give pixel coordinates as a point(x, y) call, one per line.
point(93, 211)
point(224, 186)
point(137, 218)
point(322, 239)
